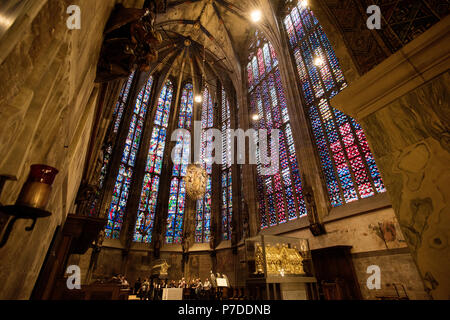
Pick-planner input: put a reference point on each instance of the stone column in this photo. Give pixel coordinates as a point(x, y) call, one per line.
point(403, 106)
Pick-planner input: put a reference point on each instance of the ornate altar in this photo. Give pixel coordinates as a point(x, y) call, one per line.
point(280, 267)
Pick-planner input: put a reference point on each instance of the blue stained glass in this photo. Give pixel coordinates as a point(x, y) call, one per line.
point(282, 104)
point(267, 105)
point(123, 98)
point(177, 198)
point(278, 200)
point(149, 193)
point(255, 70)
point(325, 158)
point(227, 187)
point(250, 76)
point(272, 210)
point(297, 24)
point(274, 55)
point(290, 30)
point(123, 180)
point(202, 231)
point(261, 63)
point(345, 144)
point(304, 12)
point(330, 125)
point(267, 58)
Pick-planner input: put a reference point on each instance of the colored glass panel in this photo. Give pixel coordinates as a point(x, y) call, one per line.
point(177, 197)
point(279, 194)
point(155, 156)
point(347, 163)
point(123, 181)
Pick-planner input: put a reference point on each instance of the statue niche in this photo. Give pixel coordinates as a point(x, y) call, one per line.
point(130, 42)
point(316, 227)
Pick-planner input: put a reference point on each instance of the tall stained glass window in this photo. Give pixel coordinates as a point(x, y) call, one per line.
point(348, 164)
point(112, 132)
point(203, 215)
point(123, 181)
point(152, 177)
point(177, 196)
point(227, 181)
point(122, 102)
point(280, 194)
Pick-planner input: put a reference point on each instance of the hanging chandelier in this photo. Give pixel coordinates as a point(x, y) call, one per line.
point(195, 181)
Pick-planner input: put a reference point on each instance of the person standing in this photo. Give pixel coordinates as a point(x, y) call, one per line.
point(144, 290)
point(207, 289)
point(137, 285)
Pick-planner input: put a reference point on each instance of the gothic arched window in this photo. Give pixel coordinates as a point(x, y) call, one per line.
point(203, 216)
point(110, 135)
point(177, 197)
point(122, 102)
point(348, 164)
point(227, 184)
point(279, 194)
point(123, 181)
point(152, 176)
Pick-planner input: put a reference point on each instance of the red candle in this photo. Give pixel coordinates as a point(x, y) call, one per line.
point(35, 192)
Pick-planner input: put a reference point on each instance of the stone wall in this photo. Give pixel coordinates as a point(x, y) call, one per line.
point(414, 159)
point(47, 99)
point(403, 106)
point(397, 270)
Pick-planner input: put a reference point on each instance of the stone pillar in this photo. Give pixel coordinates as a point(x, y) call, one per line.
point(402, 105)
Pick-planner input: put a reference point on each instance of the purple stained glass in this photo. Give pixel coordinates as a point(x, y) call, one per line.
point(348, 165)
point(262, 69)
point(280, 194)
point(290, 30)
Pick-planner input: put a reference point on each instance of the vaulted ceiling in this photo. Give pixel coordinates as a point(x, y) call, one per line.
point(222, 26)
point(218, 33)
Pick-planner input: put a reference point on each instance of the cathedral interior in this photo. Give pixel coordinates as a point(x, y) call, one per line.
point(110, 165)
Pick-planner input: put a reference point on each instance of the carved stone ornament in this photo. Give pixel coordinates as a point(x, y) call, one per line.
point(195, 180)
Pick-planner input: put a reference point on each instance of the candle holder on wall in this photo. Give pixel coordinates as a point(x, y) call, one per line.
point(33, 199)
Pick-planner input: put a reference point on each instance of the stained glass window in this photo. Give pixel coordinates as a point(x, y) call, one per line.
point(227, 180)
point(280, 194)
point(122, 102)
point(111, 133)
point(203, 212)
point(177, 196)
point(152, 177)
point(123, 181)
point(348, 164)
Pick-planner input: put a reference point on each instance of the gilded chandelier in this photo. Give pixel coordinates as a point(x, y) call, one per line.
point(195, 180)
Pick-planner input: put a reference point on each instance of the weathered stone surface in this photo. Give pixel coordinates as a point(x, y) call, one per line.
point(397, 270)
point(414, 159)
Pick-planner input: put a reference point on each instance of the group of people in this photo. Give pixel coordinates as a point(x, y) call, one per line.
point(195, 289)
